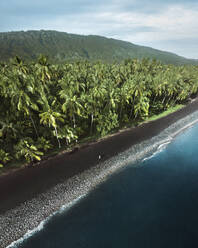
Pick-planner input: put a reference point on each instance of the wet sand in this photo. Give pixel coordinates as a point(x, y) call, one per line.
point(28, 183)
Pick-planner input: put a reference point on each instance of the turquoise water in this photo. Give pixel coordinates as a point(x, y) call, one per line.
point(152, 204)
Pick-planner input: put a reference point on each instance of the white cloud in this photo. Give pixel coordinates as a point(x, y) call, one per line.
point(142, 22)
point(176, 21)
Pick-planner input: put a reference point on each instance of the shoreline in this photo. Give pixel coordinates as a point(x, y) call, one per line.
point(28, 184)
point(82, 144)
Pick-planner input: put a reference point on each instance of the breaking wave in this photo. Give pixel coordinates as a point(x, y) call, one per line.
point(35, 213)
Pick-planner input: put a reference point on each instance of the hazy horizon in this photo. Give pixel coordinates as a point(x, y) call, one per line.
point(168, 26)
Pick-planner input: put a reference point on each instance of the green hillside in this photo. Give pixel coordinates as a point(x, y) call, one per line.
point(60, 46)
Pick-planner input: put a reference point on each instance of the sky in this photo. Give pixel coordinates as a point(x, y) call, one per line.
point(168, 25)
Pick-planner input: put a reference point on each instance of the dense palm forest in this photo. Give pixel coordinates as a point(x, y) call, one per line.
point(47, 106)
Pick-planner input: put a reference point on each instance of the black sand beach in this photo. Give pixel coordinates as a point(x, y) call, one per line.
point(23, 185)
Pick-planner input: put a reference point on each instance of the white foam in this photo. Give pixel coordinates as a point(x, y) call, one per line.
point(184, 128)
point(74, 189)
point(42, 224)
point(28, 234)
point(163, 144)
point(160, 147)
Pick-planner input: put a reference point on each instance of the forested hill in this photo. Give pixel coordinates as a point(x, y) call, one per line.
point(60, 46)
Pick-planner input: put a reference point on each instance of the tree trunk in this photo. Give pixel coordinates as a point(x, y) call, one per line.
point(59, 145)
point(120, 111)
point(66, 140)
point(132, 107)
point(74, 121)
point(154, 99)
point(92, 117)
point(32, 120)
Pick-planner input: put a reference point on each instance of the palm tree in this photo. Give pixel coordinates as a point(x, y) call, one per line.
point(72, 104)
point(43, 144)
point(4, 158)
point(24, 104)
point(43, 68)
point(50, 117)
point(7, 130)
point(93, 102)
point(26, 149)
point(20, 89)
point(68, 134)
point(20, 66)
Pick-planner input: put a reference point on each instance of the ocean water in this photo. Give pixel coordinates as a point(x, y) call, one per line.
point(153, 204)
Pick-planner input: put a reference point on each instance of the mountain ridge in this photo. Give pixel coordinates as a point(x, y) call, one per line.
point(62, 46)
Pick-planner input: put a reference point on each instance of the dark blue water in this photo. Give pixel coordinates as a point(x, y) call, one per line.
point(152, 205)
